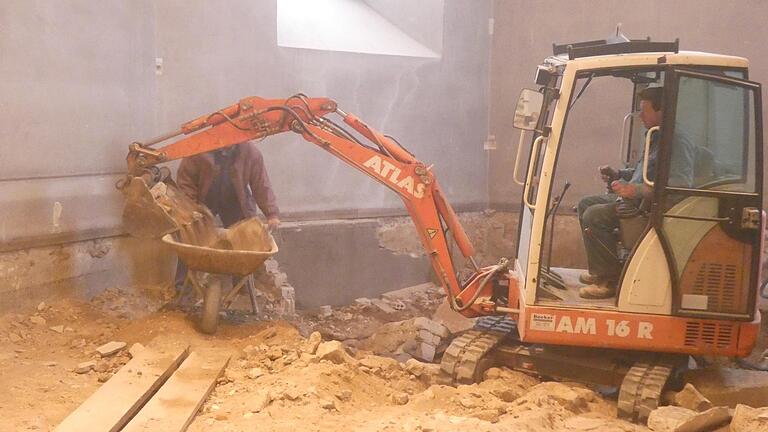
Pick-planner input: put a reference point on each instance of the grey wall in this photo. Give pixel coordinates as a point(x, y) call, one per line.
point(79, 84)
point(215, 55)
point(76, 86)
point(525, 31)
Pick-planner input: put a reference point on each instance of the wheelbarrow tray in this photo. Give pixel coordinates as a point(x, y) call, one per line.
point(240, 250)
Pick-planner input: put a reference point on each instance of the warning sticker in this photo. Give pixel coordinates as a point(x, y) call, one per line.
point(542, 322)
point(431, 232)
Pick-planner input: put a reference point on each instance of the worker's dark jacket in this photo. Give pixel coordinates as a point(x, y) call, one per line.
point(249, 178)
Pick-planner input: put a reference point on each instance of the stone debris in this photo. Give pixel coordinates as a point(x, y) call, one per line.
point(254, 373)
point(692, 399)
point(668, 418)
point(136, 349)
point(310, 345)
point(399, 398)
point(110, 348)
point(325, 311)
point(748, 419)
point(706, 421)
point(287, 300)
point(363, 301)
point(42, 306)
point(85, 367)
point(58, 329)
point(334, 352)
point(36, 319)
point(429, 336)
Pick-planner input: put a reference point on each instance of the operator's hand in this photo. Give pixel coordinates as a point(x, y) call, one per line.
point(624, 189)
point(607, 173)
point(273, 223)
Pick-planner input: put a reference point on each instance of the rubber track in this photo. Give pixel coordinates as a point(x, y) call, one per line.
point(641, 390)
point(461, 359)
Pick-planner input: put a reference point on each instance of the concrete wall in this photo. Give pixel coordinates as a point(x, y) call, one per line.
point(524, 33)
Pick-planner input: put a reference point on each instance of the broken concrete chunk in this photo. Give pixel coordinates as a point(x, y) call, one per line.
point(692, 399)
point(429, 337)
point(254, 373)
point(334, 352)
point(363, 301)
point(422, 351)
point(110, 348)
point(383, 306)
point(667, 418)
point(431, 326)
point(34, 319)
point(58, 329)
point(85, 367)
point(311, 344)
point(136, 349)
point(705, 421)
point(399, 398)
point(748, 419)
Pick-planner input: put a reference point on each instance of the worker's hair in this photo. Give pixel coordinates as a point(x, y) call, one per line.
point(653, 95)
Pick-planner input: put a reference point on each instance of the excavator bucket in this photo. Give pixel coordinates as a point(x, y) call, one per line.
point(152, 212)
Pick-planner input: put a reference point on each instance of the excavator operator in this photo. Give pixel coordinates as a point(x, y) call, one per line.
point(598, 214)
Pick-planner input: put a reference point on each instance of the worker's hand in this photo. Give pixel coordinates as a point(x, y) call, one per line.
point(273, 223)
point(607, 173)
point(624, 189)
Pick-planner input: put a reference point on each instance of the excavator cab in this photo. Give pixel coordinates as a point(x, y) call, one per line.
point(689, 256)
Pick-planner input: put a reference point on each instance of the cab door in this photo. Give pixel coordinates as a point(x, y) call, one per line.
point(708, 193)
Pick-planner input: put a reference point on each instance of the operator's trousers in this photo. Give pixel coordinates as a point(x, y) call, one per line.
point(597, 213)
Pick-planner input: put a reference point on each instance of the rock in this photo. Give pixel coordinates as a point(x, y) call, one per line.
point(382, 363)
point(254, 373)
point(274, 352)
point(399, 398)
point(77, 343)
point(101, 366)
point(58, 329)
point(428, 337)
point(423, 351)
point(363, 301)
point(136, 349)
point(325, 311)
point(334, 352)
point(489, 415)
point(728, 387)
point(327, 404)
point(110, 348)
point(41, 306)
point(344, 395)
point(414, 367)
point(383, 306)
point(508, 395)
point(85, 367)
point(13, 337)
point(454, 321)
point(292, 394)
point(50, 364)
point(431, 326)
point(431, 374)
point(261, 401)
point(705, 421)
point(667, 418)
point(692, 399)
point(748, 419)
point(553, 394)
point(468, 402)
point(310, 345)
point(104, 377)
point(34, 319)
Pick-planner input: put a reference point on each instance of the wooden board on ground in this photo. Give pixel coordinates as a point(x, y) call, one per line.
point(174, 406)
point(118, 400)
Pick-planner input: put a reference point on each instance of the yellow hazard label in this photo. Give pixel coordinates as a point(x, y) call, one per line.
point(431, 232)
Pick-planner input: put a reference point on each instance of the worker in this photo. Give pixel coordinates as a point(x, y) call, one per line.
point(598, 215)
point(231, 182)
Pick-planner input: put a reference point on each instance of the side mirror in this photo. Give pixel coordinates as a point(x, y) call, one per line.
point(528, 109)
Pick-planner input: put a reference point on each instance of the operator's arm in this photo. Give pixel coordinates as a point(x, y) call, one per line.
point(260, 185)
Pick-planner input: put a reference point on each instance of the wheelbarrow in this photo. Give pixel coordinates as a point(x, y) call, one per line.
point(237, 251)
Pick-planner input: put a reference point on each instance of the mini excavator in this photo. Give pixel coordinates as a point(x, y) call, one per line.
point(690, 271)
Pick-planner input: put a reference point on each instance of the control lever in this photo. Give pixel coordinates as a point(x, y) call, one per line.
point(552, 278)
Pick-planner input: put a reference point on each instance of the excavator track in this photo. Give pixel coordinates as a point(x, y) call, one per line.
point(465, 360)
point(641, 390)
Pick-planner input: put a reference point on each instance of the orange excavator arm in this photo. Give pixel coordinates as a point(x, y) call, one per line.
point(382, 159)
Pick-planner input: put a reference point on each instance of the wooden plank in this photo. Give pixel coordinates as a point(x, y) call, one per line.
point(119, 399)
point(174, 406)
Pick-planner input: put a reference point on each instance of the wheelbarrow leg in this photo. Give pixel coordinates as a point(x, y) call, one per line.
point(252, 294)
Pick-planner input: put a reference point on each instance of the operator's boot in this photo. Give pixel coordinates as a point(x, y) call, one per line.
point(598, 291)
point(588, 278)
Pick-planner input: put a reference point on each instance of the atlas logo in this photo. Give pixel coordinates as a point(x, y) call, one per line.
point(392, 173)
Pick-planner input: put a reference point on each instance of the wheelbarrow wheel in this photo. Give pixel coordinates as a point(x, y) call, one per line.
point(209, 320)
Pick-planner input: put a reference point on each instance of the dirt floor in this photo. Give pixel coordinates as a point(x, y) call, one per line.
point(274, 381)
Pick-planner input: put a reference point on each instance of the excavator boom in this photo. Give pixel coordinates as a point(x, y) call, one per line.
point(381, 158)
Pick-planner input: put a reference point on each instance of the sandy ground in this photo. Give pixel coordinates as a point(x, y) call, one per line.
point(274, 382)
